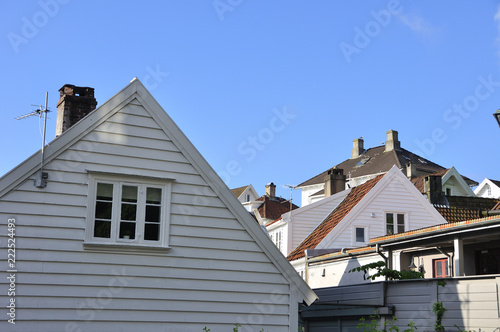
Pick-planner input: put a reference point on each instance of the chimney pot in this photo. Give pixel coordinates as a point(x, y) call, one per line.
point(357, 148)
point(392, 141)
point(74, 104)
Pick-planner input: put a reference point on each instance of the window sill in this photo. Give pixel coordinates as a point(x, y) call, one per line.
point(101, 246)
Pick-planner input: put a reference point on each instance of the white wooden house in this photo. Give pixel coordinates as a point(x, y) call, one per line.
point(387, 204)
point(488, 188)
point(134, 231)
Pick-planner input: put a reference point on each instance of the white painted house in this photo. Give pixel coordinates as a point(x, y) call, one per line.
point(134, 231)
point(488, 189)
point(387, 204)
point(293, 227)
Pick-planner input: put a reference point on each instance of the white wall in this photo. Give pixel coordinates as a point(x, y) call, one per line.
point(214, 275)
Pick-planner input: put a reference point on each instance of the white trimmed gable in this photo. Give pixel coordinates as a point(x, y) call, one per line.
point(487, 189)
point(394, 193)
point(454, 184)
point(216, 255)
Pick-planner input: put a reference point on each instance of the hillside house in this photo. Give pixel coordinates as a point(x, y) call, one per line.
point(134, 231)
point(367, 164)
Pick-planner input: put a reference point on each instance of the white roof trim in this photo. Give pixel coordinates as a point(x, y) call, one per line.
point(452, 172)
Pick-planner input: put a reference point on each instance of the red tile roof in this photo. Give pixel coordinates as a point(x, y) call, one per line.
point(333, 219)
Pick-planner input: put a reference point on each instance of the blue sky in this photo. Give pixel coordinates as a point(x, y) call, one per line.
point(269, 90)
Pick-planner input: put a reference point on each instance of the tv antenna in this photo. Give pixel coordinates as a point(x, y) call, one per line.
point(291, 187)
point(41, 178)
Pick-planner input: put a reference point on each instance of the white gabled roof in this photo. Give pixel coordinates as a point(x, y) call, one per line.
point(136, 90)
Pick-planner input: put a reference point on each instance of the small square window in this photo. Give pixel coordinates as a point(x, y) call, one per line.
point(360, 234)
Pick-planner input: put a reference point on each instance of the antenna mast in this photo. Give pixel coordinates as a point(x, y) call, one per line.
point(41, 178)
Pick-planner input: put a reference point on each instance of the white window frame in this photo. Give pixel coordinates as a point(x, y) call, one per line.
point(354, 238)
point(395, 219)
point(142, 183)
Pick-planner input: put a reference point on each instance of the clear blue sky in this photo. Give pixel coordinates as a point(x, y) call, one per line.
point(269, 90)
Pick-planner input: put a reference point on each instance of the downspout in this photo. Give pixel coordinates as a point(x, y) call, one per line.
point(384, 291)
point(450, 263)
point(306, 269)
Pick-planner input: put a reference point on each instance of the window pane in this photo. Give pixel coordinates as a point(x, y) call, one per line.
point(129, 212)
point(153, 196)
point(360, 234)
point(129, 194)
point(439, 269)
point(152, 232)
point(102, 228)
point(389, 220)
point(401, 223)
point(127, 230)
point(103, 210)
point(153, 213)
point(104, 192)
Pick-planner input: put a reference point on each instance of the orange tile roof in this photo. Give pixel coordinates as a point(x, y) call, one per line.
point(430, 229)
point(334, 218)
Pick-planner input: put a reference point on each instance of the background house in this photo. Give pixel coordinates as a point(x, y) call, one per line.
point(367, 164)
point(488, 189)
point(387, 204)
point(134, 231)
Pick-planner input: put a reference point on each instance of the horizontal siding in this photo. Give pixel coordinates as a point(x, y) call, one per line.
point(393, 198)
point(214, 275)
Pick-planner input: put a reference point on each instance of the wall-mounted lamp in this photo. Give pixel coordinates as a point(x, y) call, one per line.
point(412, 266)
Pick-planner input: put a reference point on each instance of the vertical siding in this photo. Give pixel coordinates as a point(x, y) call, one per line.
point(214, 275)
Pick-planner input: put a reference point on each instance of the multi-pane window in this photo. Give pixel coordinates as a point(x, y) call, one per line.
point(277, 239)
point(395, 223)
point(441, 268)
point(127, 212)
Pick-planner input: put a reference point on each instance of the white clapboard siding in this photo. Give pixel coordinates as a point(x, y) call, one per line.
point(393, 193)
point(215, 274)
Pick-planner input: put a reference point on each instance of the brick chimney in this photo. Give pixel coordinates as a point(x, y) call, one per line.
point(271, 190)
point(334, 181)
point(433, 188)
point(392, 141)
point(357, 148)
point(74, 104)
